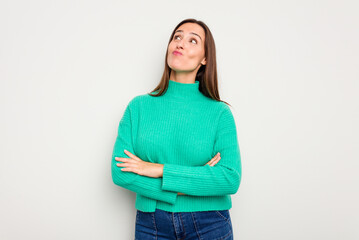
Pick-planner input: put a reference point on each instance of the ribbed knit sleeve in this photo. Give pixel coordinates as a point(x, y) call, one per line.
point(146, 186)
point(221, 179)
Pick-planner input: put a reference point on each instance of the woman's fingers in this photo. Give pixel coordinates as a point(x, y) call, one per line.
point(131, 155)
point(214, 160)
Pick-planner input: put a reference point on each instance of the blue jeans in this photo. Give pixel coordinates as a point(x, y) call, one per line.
point(200, 225)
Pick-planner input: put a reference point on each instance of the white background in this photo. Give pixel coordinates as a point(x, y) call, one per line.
point(68, 69)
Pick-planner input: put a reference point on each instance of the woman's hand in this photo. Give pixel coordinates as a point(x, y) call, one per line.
point(136, 165)
point(214, 160)
point(211, 163)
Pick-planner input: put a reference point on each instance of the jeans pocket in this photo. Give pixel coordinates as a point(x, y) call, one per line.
point(224, 214)
point(213, 225)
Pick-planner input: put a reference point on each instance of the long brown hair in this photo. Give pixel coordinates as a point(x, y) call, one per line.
point(206, 75)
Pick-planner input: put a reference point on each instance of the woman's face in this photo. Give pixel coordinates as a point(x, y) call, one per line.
point(189, 40)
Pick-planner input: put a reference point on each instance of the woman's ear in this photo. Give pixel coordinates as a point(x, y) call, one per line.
point(204, 61)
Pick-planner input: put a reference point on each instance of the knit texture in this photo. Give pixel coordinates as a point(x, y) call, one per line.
point(182, 129)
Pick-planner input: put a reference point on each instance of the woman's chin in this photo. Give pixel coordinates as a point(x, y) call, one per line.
point(179, 68)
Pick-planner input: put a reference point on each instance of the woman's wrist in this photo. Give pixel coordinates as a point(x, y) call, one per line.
point(159, 169)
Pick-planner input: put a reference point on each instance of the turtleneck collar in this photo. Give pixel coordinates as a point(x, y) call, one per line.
point(183, 91)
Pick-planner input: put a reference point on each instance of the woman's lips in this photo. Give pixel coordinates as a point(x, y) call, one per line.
point(177, 53)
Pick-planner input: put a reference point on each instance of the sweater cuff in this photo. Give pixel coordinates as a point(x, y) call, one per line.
point(170, 196)
point(169, 177)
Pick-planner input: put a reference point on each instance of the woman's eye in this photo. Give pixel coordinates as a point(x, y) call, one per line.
point(177, 36)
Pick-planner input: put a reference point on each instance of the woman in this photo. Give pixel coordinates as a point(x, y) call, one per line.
point(177, 146)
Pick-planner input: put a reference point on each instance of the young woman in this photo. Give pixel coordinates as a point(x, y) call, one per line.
point(177, 146)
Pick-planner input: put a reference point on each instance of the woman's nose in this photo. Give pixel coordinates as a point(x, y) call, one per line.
point(180, 44)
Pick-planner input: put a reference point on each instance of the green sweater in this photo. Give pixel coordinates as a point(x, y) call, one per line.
point(182, 129)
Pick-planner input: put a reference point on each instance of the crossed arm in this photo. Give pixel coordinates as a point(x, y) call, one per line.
point(165, 181)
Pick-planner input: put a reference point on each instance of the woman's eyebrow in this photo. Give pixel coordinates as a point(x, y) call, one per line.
point(191, 33)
